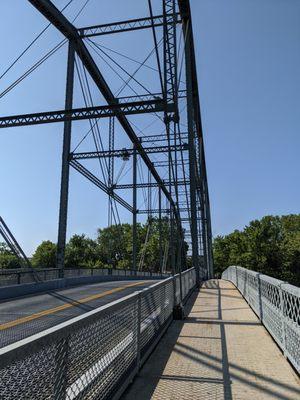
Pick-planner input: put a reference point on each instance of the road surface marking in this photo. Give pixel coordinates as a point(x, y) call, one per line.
point(40, 314)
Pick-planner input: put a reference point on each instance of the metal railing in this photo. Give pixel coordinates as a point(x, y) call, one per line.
point(276, 303)
point(10, 277)
point(95, 355)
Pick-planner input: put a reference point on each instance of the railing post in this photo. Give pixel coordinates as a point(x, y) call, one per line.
point(282, 318)
point(260, 297)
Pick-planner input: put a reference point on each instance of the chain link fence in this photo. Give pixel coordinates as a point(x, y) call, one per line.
point(95, 355)
point(20, 276)
point(276, 303)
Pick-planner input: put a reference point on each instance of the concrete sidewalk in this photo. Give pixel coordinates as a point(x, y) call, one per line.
point(221, 351)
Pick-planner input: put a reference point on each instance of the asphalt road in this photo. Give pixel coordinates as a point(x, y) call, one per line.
point(23, 317)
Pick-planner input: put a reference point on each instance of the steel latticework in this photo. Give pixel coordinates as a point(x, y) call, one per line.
point(173, 160)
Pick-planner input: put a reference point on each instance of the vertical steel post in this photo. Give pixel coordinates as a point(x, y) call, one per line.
point(160, 232)
point(111, 146)
point(195, 106)
point(64, 189)
point(192, 157)
point(134, 212)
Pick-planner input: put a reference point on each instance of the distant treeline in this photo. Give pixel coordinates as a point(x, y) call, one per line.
point(111, 248)
point(270, 246)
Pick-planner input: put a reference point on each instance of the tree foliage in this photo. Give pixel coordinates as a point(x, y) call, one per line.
point(115, 244)
point(270, 246)
point(81, 252)
point(7, 258)
point(111, 248)
point(45, 255)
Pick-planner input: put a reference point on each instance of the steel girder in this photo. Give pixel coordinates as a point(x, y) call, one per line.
point(53, 15)
point(185, 12)
point(147, 185)
point(125, 152)
point(97, 182)
point(124, 26)
point(141, 107)
point(163, 211)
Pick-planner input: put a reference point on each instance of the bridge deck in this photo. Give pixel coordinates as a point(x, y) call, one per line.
point(221, 351)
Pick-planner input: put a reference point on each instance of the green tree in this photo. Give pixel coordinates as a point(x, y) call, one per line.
point(7, 258)
point(82, 252)
point(270, 246)
point(115, 244)
point(45, 255)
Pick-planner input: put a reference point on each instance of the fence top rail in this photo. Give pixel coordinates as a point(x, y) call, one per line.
point(294, 290)
point(30, 271)
point(25, 270)
point(186, 271)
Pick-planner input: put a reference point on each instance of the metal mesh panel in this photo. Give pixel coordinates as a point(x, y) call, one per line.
point(15, 277)
point(277, 304)
point(8, 279)
point(271, 309)
point(291, 322)
point(100, 355)
point(156, 307)
point(100, 272)
point(92, 355)
point(31, 377)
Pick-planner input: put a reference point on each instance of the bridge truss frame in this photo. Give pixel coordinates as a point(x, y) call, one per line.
point(187, 219)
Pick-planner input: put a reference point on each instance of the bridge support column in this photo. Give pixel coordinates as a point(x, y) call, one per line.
point(64, 189)
point(192, 166)
point(160, 232)
point(134, 212)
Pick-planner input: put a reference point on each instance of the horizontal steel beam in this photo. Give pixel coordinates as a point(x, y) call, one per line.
point(160, 138)
point(163, 211)
point(82, 113)
point(125, 152)
point(125, 26)
point(148, 185)
point(148, 96)
point(96, 181)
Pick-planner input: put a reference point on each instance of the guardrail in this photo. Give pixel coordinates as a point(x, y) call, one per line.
point(95, 355)
point(20, 276)
point(276, 303)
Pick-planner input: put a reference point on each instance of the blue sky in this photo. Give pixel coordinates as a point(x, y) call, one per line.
point(248, 63)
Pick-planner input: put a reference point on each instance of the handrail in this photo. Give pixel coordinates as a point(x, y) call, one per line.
point(29, 275)
point(98, 352)
point(277, 305)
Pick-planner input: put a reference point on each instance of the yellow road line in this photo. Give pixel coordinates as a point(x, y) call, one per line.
point(40, 314)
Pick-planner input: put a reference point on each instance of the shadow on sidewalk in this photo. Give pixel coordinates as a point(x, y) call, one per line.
point(216, 386)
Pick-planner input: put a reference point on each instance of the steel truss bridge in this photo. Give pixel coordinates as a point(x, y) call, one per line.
point(86, 333)
point(172, 161)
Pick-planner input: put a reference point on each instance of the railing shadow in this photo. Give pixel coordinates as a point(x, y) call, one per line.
point(217, 387)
